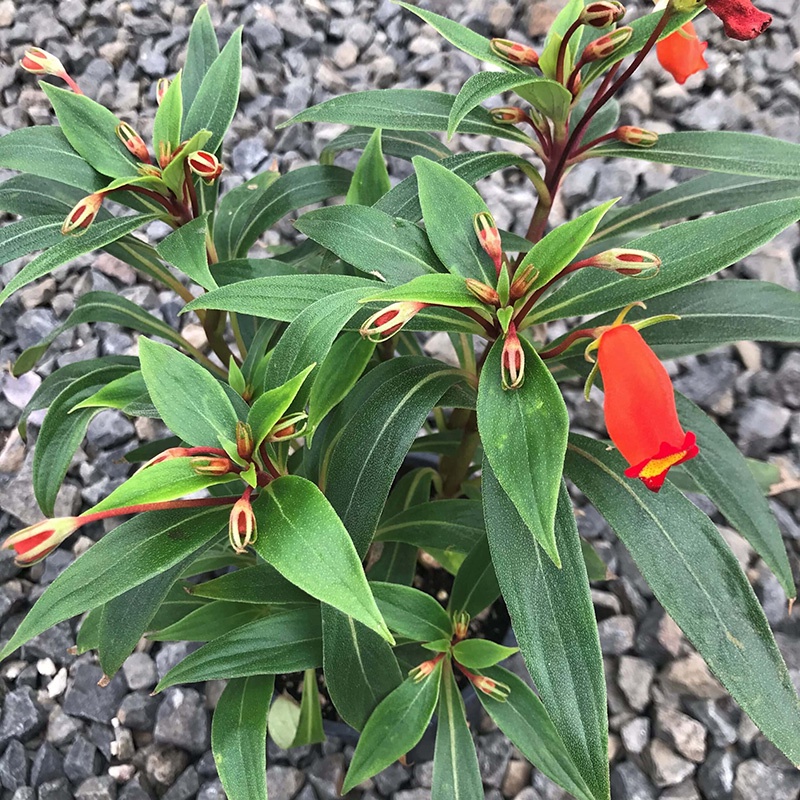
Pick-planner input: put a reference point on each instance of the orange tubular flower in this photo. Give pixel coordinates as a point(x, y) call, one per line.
point(34, 543)
point(639, 407)
point(681, 53)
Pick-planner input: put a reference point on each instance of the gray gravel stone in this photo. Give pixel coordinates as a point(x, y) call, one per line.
point(664, 766)
point(283, 783)
point(14, 766)
point(82, 760)
point(87, 700)
point(22, 718)
point(715, 776)
point(182, 720)
point(138, 711)
point(140, 671)
point(327, 776)
point(100, 788)
point(686, 735)
point(211, 791)
point(48, 765)
point(616, 635)
point(56, 790)
point(186, 787)
point(628, 782)
point(755, 780)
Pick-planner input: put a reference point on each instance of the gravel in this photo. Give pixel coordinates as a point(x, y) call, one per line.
point(675, 734)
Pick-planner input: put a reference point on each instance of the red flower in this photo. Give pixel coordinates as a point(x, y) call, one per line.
point(681, 53)
point(639, 408)
point(740, 18)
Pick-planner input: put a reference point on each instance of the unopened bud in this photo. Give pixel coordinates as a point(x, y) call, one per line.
point(206, 165)
point(164, 154)
point(287, 427)
point(638, 137)
point(40, 62)
point(461, 625)
point(512, 361)
point(495, 689)
point(523, 282)
point(211, 465)
point(388, 321)
point(489, 238)
point(426, 668)
point(514, 52)
point(636, 263)
point(607, 45)
point(161, 89)
point(244, 440)
point(242, 524)
point(135, 144)
point(483, 292)
point(32, 544)
point(602, 13)
point(82, 216)
point(508, 115)
point(167, 455)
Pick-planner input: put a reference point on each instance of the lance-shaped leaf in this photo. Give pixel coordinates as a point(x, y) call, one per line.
point(396, 725)
point(201, 53)
point(391, 249)
point(132, 553)
point(185, 249)
point(272, 405)
point(475, 586)
point(208, 622)
point(306, 542)
point(91, 130)
point(191, 401)
point(260, 585)
point(688, 251)
point(68, 248)
point(25, 236)
point(411, 613)
point(449, 205)
point(239, 736)
point(456, 774)
point(523, 718)
point(288, 641)
point(371, 178)
point(129, 391)
point(481, 653)
point(402, 144)
point(438, 289)
point(552, 615)
point(698, 580)
point(167, 124)
point(524, 435)
point(32, 196)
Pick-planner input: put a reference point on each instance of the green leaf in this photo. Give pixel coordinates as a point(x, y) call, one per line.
point(91, 130)
point(287, 641)
point(185, 249)
point(68, 248)
point(208, 622)
point(309, 729)
point(559, 247)
point(435, 289)
point(596, 568)
point(262, 585)
point(62, 432)
point(524, 434)
point(550, 97)
point(307, 543)
point(402, 144)
point(32, 196)
point(240, 224)
point(404, 110)
point(374, 429)
point(98, 307)
point(523, 718)
point(201, 53)
point(411, 613)
point(216, 100)
point(561, 24)
point(698, 580)
point(284, 720)
point(394, 728)
point(552, 615)
point(174, 174)
point(360, 667)
point(481, 653)
point(394, 250)
point(449, 205)
point(722, 474)
point(475, 586)
point(371, 178)
point(167, 124)
point(456, 774)
point(239, 735)
point(122, 393)
point(689, 251)
point(24, 236)
point(127, 556)
point(45, 152)
point(191, 401)
point(272, 405)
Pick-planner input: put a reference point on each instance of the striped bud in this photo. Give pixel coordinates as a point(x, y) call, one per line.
point(82, 216)
point(244, 441)
point(483, 292)
point(508, 115)
point(514, 52)
point(461, 625)
point(636, 263)
point(603, 13)
point(135, 144)
point(242, 529)
point(638, 137)
point(523, 282)
point(495, 689)
point(164, 154)
point(512, 362)
point(40, 62)
point(32, 544)
point(426, 668)
point(205, 165)
point(489, 238)
point(211, 465)
point(607, 45)
point(388, 321)
point(287, 427)
point(161, 89)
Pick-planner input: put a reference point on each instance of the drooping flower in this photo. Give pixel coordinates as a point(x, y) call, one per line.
point(740, 18)
point(640, 413)
point(681, 53)
point(32, 544)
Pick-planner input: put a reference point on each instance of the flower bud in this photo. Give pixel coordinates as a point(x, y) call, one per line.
point(508, 115)
point(206, 165)
point(286, 428)
point(242, 524)
point(512, 360)
point(514, 52)
point(40, 62)
point(161, 89)
point(607, 45)
point(461, 625)
point(387, 322)
point(32, 544)
point(211, 465)
point(626, 262)
point(638, 137)
point(426, 668)
point(135, 144)
point(523, 282)
point(82, 216)
point(167, 455)
point(489, 237)
point(602, 13)
point(165, 154)
point(495, 689)
point(483, 292)
point(244, 440)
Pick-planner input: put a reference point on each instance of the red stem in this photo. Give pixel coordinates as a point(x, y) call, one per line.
point(204, 502)
point(562, 50)
point(581, 333)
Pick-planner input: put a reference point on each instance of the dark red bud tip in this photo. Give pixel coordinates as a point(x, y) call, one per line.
point(204, 164)
point(512, 360)
point(602, 13)
point(740, 18)
point(607, 45)
point(82, 216)
point(638, 137)
point(514, 52)
point(508, 115)
point(390, 320)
